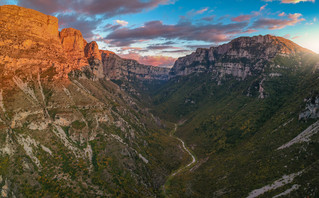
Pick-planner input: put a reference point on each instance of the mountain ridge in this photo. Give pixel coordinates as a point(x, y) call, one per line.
point(240, 53)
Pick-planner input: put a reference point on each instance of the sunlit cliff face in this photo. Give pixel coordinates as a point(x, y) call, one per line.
point(30, 43)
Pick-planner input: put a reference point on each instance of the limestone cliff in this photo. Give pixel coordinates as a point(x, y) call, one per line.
point(116, 67)
point(30, 43)
point(28, 22)
point(92, 50)
point(240, 58)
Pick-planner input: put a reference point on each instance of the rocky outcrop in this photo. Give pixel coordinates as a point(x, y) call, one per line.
point(311, 110)
point(73, 42)
point(92, 51)
point(240, 58)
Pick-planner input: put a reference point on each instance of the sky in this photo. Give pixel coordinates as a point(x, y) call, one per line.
point(157, 32)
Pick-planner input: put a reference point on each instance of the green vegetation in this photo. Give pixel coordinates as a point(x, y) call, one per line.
point(236, 136)
point(78, 125)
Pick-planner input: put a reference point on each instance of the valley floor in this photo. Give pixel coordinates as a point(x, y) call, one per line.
point(182, 168)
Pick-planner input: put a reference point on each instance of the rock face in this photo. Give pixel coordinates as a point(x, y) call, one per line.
point(239, 58)
point(28, 22)
point(92, 51)
point(72, 42)
point(30, 43)
point(117, 68)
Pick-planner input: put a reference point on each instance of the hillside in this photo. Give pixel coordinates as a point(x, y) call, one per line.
point(237, 105)
point(66, 130)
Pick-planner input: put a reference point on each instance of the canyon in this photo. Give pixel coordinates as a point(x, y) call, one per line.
point(77, 121)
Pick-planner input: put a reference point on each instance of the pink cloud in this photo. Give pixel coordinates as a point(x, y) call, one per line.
point(150, 60)
point(263, 7)
point(282, 14)
point(201, 11)
point(293, 1)
point(273, 24)
point(131, 48)
point(296, 1)
point(249, 31)
point(241, 18)
point(287, 36)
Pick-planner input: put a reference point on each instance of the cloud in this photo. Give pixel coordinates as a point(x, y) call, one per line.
point(198, 46)
point(287, 36)
point(121, 22)
point(282, 14)
point(131, 48)
point(108, 8)
point(293, 1)
point(151, 60)
point(273, 24)
point(201, 11)
point(182, 31)
point(263, 7)
point(161, 47)
point(111, 27)
point(86, 15)
point(242, 18)
point(249, 31)
point(209, 18)
point(296, 1)
point(81, 22)
point(182, 51)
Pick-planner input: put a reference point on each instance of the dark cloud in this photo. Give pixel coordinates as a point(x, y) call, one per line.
point(161, 47)
point(82, 14)
point(177, 51)
point(81, 22)
point(209, 18)
point(169, 43)
point(47, 7)
point(199, 46)
point(108, 8)
point(111, 27)
point(277, 23)
point(183, 31)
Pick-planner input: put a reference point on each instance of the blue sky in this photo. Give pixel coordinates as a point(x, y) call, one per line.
point(158, 31)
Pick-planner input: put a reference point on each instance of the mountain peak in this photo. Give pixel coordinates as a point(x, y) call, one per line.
point(285, 46)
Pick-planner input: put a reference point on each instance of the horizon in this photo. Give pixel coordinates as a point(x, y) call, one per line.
point(144, 30)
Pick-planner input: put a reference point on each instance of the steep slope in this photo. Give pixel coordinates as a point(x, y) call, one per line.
point(238, 105)
point(66, 131)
